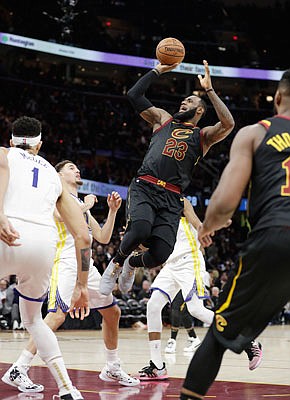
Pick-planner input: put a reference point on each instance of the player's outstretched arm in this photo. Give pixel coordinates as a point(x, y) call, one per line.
point(190, 214)
point(72, 216)
point(193, 219)
point(7, 233)
point(104, 234)
point(232, 184)
point(217, 132)
point(155, 116)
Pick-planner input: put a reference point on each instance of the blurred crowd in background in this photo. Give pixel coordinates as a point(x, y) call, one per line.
point(224, 31)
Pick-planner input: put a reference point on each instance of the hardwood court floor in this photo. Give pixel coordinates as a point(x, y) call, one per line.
point(83, 354)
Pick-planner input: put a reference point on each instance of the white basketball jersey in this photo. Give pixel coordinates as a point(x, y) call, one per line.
point(66, 245)
point(33, 178)
point(186, 240)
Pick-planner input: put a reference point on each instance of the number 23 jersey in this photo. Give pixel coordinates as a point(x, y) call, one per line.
point(174, 149)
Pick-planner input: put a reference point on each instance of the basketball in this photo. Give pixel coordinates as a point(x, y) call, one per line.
point(170, 51)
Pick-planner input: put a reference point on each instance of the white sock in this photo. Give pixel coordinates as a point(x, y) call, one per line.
point(24, 359)
point(111, 355)
point(59, 372)
point(46, 343)
point(155, 353)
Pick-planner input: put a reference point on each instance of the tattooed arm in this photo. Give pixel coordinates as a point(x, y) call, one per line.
point(72, 216)
point(217, 132)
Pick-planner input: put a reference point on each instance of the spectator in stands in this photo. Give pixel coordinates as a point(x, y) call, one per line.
point(110, 252)
point(3, 294)
point(287, 313)
point(145, 292)
point(100, 258)
point(11, 306)
point(214, 296)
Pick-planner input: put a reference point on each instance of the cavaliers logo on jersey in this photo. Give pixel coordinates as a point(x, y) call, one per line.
point(180, 133)
point(220, 323)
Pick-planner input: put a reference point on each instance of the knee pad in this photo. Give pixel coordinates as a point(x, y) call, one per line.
point(154, 311)
point(154, 308)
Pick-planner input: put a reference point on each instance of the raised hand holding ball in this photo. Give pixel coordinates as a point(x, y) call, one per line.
point(170, 51)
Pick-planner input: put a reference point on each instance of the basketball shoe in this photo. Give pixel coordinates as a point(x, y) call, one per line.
point(171, 346)
point(17, 376)
point(127, 277)
point(109, 278)
point(152, 373)
point(74, 394)
point(255, 355)
point(192, 344)
point(112, 372)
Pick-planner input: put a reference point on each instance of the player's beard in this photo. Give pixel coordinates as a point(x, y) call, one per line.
point(184, 116)
point(79, 182)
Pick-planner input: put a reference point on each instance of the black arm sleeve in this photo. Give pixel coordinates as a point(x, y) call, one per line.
point(136, 93)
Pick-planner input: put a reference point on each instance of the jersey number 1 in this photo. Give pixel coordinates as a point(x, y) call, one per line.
point(35, 177)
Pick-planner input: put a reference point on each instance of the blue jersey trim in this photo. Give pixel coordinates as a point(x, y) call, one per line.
point(162, 291)
point(40, 299)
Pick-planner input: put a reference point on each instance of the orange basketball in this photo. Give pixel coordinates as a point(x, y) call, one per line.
point(170, 51)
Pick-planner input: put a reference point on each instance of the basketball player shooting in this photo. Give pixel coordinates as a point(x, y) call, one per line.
point(155, 200)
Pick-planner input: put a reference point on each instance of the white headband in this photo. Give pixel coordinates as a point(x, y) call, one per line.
point(30, 141)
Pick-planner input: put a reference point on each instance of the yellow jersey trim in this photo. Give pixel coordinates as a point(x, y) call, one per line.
point(227, 303)
point(62, 235)
point(194, 251)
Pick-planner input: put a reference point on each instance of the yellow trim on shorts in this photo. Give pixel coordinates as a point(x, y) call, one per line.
point(61, 230)
point(227, 303)
point(194, 251)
